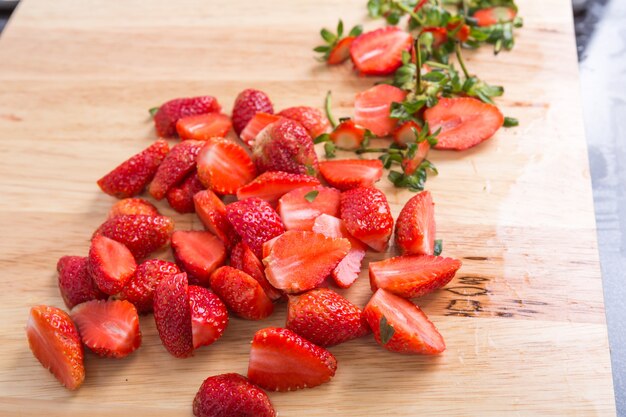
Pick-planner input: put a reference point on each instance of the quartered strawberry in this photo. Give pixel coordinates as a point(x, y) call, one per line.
point(464, 122)
point(255, 125)
point(492, 15)
point(111, 264)
point(140, 288)
point(379, 52)
point(347, 135)
point(241, 293)
point(133, 206)
point(367, 216)
point(299, 208)
point(141, 234)
point(272, 185)
point(203, 126)
point(325, 318)
point(198, 253)
point(75, 282)
point(248, 103)
point(133, 175)
point(109, 328)
point(170, 112)
point(400, 326)
point(231, 395)
point(180, 197)
point(255, 221)
point(54, 341)
point(177, 164)
point(172, 315)
point(224, 166)
point(311, 118)
point(345, 174)
point(410, 276)
point(341, 51)
point(415, 226)
point(293, 269)
point(209, 317)
point(242, 258)
point(372, 108)
point(280, 360)
point(212, 213)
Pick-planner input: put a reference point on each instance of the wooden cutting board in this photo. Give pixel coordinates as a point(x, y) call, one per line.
point(523, 319)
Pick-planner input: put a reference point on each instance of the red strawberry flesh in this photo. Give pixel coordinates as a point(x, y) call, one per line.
point(111, 264)
point(198, 253)
point(75, 282)
point(209, 317)
point(172, 314)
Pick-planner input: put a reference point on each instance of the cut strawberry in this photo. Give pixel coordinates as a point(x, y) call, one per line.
point(54, 341)
point(341, 51)
point(267, 246)
point(462, 34)
point(367, 216)
point(248, 103)
point(140, 288)
point(440, 35)
point(172, 315)
point(241, 293)
point(345, 174)
point(280, 360)
point(372, 108)
point(242, 258)
point(406, 133)
point(203, 126)
point(109, 328)
point(492, 15)
point(177, 164)
point(141, 234)
point(312, 119)
point(133, 206)
point(299, 208)
point(212, 213)
point(379, 52)
point(133, 175)
point(170, 112)
point(415, 227)
point(347, 135)
point(209, 317)
point(75, 282)
point(290, 268)
point(224, 166)
point(111, 264)
point(198, 253)
point(400, 326)
point(255, 125)
point(272, 185)
point(180, 197)
point(464, 122)
point(325, 318)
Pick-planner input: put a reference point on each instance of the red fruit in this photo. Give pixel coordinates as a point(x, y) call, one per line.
point(492, 15)
point(75, 282)
point(267, 246)
point(255, 221)
point(242, 258)
point(345, 174)
point(231, 395)
point(461, 34)
point(367, 216)
point(180, 197)
point(140, 288)
point(372, 108)
point(212, 213)
point(111, 264)
point(203, 126)
point(285, 145)
point(248, 103)
point(406, 329)
point(415, 227)
point(341, 51)
point(379, 52)
point(172, 315)
point(131, 176)
point(312, 119)
point(325, 318)
point(255, 125)
point(464, 122)
point(176, 165)
point(133, 206)
point(109, 328)
point(300, 261)
point(299, 208)
point(168, 114)
point(241, 293)
point(280, 360)
point(224, 166)
point(348, 135)
point(272, 185)
point(440, 35)
point(55, 343)
point(141, 234)
point(406, 133)
point(209, 317)
point(198, 253)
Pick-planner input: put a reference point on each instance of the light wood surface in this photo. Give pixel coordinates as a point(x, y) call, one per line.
point(523, 319)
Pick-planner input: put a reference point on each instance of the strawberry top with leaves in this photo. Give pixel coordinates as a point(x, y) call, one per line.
point(337, 47)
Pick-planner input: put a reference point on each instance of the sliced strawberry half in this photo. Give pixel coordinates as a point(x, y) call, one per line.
point(267, 246)
point(133, 206)
point(180, 197)
point(241, 293)
point(224, 166)
point(299, 208)
point(311, 118)
point(242, 258)
point(345, 174)
point(379, 52)
point(212, 213)
point(341, 51)
point(367, 216)
point(141, 234)
point(139, 290)
point(203, 126)
point(492, 15)
point(372, 108)
point(111, 264)
point(209, 317)
point(347, 135)
point(177, 164)
point(198, 253)
point(170, 112)
point(172, 315)
point(255, 125)
point(272, 185)
point(75, 282)
point(415, 227)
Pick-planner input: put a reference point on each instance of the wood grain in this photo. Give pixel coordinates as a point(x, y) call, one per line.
point(523, 319)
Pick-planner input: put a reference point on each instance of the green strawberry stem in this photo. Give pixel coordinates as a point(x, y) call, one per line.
point(459, 57)
point(406, 9)
point(418, 65)
point(328, 107)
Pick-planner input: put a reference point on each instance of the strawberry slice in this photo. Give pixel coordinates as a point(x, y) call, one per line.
point(341, 51)
point(111, 264)
point(224, 166)
point(133, 206)
point(212, 213)
point(415, 227)
point(367, 216)
point(299, 208)
point(280, 360)
point(170, 112)
point(75, 282)
point(141, 234)
point(410, 276)
point(267, 246)
point(345, 174)
point(248, 103)
point(291, 269)
point(180, 197)
point(372, 108)
point(325, 318)
point(203, 126)
point(241, 293)
point(255, 221)
point(231, 395)
point(255, 125)
point(242, 258)
point(400, 326)
point(139, 290)
point(172, 315)
point(54, 341)
point(312, 119)
point(177, 164)
point(272, 185)
point(109, 328)
point(209, 317)
point(198, 254)
point(493, 15)
point(464, 122)
point(348, 135)
point(379, 52)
